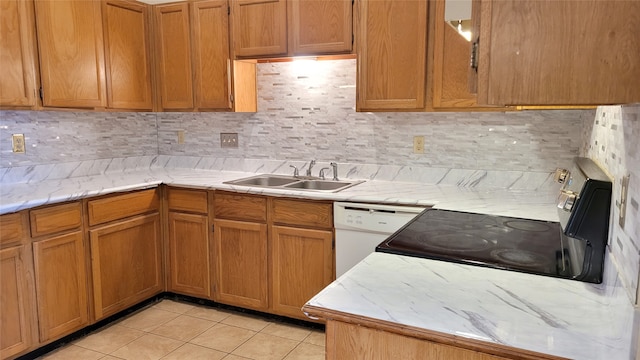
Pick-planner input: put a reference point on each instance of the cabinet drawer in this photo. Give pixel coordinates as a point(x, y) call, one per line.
point(188, 200)
point(240, 207)
point(122, 206)
point(11, 229)
point(55, 219)
point(303, 213)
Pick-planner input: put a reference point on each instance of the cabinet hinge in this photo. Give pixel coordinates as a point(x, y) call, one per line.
point(353, 39)
point(213, 228)
point(41, 93)
point(474, 55)
point(228, 10)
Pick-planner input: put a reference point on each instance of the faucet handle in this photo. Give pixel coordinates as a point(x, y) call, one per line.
point(322, 172)
point(334, 167)
point(295, 171)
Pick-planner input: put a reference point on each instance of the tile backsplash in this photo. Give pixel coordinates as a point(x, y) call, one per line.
point(305, 110)
point(611, 139)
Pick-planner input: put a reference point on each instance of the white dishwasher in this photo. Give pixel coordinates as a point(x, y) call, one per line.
point(361, 227)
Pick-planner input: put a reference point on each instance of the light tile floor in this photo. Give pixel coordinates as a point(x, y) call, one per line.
point(171, 330)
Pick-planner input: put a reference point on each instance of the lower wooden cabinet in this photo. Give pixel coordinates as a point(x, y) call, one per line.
point(126, 263)
point(241, 272)
point(189, 254)
point(352, 341)
point(301, 264)
point(16, 318)
point(61, 287)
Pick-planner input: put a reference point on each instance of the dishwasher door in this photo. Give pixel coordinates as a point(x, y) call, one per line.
point(361, 227)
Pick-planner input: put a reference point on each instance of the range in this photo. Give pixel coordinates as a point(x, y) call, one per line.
point(572, 248)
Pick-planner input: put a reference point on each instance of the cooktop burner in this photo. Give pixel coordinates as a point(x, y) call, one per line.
point(455, 242)
point(493, 241)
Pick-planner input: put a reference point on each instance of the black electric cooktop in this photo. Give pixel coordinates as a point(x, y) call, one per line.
point(530, 246)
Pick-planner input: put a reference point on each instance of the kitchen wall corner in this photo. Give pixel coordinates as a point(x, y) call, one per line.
point(611, 139)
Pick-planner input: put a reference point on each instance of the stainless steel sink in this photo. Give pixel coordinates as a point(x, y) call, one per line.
point(321, 185)
point(293, 183)
point(264, 181)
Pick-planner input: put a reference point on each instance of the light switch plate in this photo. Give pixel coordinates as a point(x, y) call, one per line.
point(229, 140)
point(19, 146)
point(180, 136)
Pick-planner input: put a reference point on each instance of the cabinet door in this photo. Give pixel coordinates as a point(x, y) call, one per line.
point(126, 263)
point(61, 287)
point(18, 85)
point(302, 265)
point(319, 26)
point(210, 29)
point(391, 54)
point(126, 35)
point(15, 300)
point(259, 27)
point(174, 52)
point(71, 53)
point(189, 254)
point(559, 52)
point(241, 274)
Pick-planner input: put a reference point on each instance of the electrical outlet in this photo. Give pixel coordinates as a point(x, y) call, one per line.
point(418, 144)
point(623, 200)
point(180, 136)
point(229, 140)
point(19, 146)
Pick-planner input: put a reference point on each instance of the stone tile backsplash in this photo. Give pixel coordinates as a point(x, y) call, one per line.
point(612, 140)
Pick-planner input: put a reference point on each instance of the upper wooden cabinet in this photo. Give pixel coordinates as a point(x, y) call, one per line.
point(558, 52)
point(391, 48)
point(173, 47)
point(127, 50)
point(71, 52)
point(319, 26)
point(211, 61)
point(259, 27)
point(448, 65)
point(17, 54)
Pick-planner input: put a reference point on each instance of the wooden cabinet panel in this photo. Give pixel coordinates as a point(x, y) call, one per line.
point(61, 288)
point(15, 303)
point(583, 52)
point(189, 254)
point(302, 212)
point(174, 52)
point(71, 53)
point(125, 263)
point(302, 265)
point(11, 229)
point(240, 207)
point(211, 61)
point(319, 26)
point(358, 342)
point(187, 200)
point(259, 27)
point(241, 274)
point(118, 207)
point(391, 50)
point(17, 44)
point(127, 48)
point(53, 219)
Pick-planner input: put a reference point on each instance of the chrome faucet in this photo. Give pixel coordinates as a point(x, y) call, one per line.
point(313, 162)
point(322, 172)
point(334, 167)
point(295, 171)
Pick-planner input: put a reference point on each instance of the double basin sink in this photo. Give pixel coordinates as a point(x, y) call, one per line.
point(294, 183)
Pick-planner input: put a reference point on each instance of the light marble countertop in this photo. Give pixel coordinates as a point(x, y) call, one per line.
point(558, 317)
point(517, 203)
